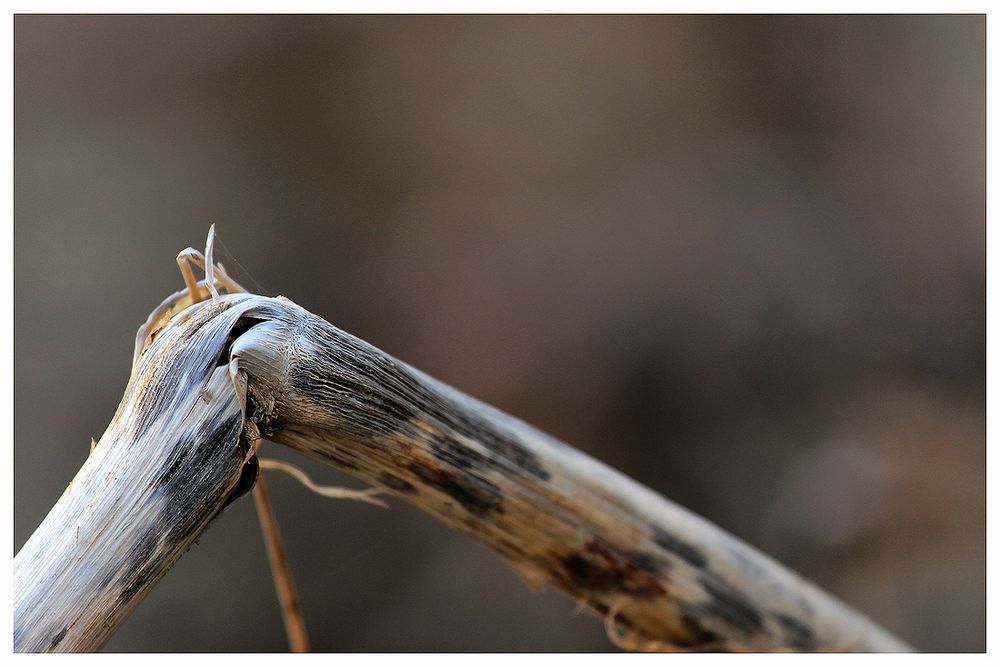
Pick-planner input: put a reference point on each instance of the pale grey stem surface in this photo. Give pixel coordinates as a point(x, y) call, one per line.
point(169, 461)
point(660, 576)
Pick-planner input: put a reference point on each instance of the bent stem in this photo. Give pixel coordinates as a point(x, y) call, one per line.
point(291, 611)
point(182, 446)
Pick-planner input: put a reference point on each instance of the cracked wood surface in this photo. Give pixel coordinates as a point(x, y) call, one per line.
point(660, 576)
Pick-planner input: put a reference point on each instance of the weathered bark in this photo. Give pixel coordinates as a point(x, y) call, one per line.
point(657, 573)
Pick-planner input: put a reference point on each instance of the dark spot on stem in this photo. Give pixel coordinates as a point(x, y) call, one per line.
point(140, 566)
point(690, 554)
point(175, 464)
point(376, 396)
point(730, 605)
point(647, 563)
point(797, 634)
point(362, 400)
point(456, 454)
point(522, 458)
point(512, 455)
point(59, 637)
point(601, 608)
point(476, 494)
point(606, 569)
point(194, 454)
point(694, 633)
point(585, 573)
point(390, 481)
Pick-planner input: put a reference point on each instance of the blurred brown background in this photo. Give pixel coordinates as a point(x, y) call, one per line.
point(741, 259)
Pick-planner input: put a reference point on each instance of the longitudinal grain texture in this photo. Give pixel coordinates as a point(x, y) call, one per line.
point(167, 464)
point(664, 576)
point(659, 575)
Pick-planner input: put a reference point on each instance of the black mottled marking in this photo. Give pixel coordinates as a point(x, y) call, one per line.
point(507, 448)
point(457, 455)
point(359, 400)
point(601, 607)
point(191, 476)
point(132, 586)
point(183, 518)
point(194, 478)
point(730, 605)
point(797, 634)
point(186, 482)
point(193, 455)
point(376, 395)
point(512, 450)
point(586, 574)
point(106, 579)
point(395, 483)
point(477, 495)
point(690, 554)
point(176, 461)
point(694, 633)
point(647, 563)
point(140, 565)
point(58, 638)
point(606, 571)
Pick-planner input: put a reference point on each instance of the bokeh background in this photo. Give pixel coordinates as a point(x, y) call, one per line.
point(742, 259)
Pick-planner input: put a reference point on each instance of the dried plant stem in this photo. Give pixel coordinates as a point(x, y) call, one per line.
point(173, 456)
point(291, 611)
point(211, 379)
point(665, 576)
